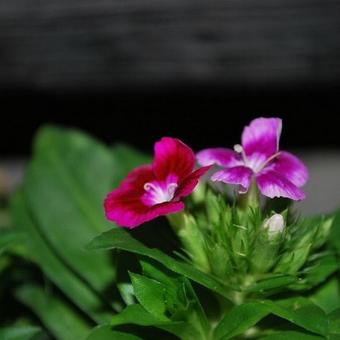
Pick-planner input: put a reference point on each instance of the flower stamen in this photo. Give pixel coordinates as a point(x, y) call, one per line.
point(160, 193)
point(269, 160)
point(238, 148)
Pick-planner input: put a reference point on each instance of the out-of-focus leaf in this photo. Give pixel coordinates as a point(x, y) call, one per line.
point(9, 236)
point(334, 238)
point(120, 239)
point(334, 322)
point(65, 185)
point(291, 335)
point(239, 319)
point(19, 332)
point(126, 292)
point(128, 158)
point(107, 333)
point(58, 317)
point(42, 254)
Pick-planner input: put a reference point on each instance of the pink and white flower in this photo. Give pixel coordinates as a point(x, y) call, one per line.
point(277, 173)
point(153, 190)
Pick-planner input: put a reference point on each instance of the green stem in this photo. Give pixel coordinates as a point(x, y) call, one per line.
point(250, 199)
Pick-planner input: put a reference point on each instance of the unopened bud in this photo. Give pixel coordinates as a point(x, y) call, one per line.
point(267, 244)
point(275, 224)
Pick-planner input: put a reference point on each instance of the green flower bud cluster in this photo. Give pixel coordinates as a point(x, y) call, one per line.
point(247, 248)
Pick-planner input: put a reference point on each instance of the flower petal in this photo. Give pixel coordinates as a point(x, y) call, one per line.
point(172, 157)
point(291, 168)
point(137, 178)
point(273, 184)
point(237, 175)
point(125, 208)
point(262, 136)
point(220, 156)
point(190, 182)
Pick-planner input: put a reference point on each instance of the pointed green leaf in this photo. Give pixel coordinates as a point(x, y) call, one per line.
point(240, 319)
point(327, 296)
point(334, 238)
point(301, 312)
point(291, 335)
point(150, 294)
point(334, 322)
point(19, 332)
point(271, 283)
point(137, 315)
point(320, 270)
point(181, 301)
point(120, 239)
point(107, 333)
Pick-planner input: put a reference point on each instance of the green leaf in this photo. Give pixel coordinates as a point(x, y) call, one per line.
point(19, 332)
point(271, 283)
point(52, 266)
point(334, 322)
point(150, 294)
point(239, 319)
point(180, 299)
point(107, 333)
point(137, 315)
point(291, 335)
point(9, 236)
point(327, 296)
point(152, 269)
point(120, 239)
point(301, 312)
point(321, 269)
point(334, 238)
point(65, 196)
point(58, 317)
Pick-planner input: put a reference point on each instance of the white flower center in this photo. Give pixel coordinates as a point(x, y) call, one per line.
point(256, 161)
point(157, 192)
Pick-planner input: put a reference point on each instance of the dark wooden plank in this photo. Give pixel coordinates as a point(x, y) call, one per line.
point(76, 44)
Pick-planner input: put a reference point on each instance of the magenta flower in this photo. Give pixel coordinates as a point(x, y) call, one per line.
point(153, 190)
point(277, 173)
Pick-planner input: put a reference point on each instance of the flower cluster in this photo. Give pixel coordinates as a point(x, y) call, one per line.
point(157, 189)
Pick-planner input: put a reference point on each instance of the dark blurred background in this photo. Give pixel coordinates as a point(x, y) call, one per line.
point(201, 117)
point(135, 70)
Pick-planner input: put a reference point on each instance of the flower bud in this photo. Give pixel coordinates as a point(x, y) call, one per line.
point(267, 244)
point(214, 207)
point(274, 225)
